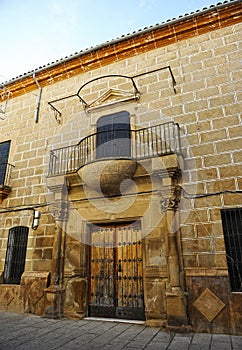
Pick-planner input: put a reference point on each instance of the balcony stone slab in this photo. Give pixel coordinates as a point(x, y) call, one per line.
point(107, 175)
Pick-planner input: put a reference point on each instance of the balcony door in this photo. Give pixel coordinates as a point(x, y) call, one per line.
point(4, 152)
point(116, 272)
point(113, 136)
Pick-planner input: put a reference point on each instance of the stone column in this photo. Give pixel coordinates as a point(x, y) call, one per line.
point(175, 295)
point(54, 294)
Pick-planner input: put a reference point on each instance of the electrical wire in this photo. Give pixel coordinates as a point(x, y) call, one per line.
point(201, 195)
point(17, 208)
point(186, 195)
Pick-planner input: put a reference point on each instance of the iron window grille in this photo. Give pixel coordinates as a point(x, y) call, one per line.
point(232, 227)
point(5, 168)
point(15, 254)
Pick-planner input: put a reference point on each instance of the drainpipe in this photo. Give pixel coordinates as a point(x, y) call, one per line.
point(38, 100)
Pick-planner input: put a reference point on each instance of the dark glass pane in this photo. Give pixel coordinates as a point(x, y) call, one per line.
point(113, 136)
point(4, 151)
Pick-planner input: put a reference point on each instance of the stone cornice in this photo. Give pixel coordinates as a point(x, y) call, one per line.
point(141, 42)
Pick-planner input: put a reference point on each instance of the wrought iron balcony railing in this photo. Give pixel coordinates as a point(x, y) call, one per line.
point(139, 144)
point(5, 174)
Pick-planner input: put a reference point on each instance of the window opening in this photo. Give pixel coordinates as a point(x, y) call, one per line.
point(4, 152)
point(232, 227)
point(114, 136)
point(15, 255)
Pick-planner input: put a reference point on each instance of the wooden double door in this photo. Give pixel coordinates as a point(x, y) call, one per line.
point(116, 272)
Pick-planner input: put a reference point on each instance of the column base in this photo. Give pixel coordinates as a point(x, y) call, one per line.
point(176, 308)
point(54, 301)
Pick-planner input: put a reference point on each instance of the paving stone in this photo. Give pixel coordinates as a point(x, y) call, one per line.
point(157, 346)
point(201, 338)
point(116, 345)
point(36, 333)
point(179, 343)
point(199, 347)
point(221, 342)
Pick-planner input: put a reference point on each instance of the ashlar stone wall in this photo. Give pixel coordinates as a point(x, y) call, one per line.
point(206, 105)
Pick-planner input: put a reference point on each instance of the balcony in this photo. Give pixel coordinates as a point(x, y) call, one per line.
point(121, 144)
point(5, 177)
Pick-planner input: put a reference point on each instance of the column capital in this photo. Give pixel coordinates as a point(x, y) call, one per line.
point(60, 210)
point(170, 198)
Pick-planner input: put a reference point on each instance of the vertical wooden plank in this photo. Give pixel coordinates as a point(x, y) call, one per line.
point(140, 287)
point(101, 268)
point(116, 271)
point(120, 267)
point(129, 266)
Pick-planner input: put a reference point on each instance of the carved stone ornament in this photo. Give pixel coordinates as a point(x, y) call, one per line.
point(60, 210)
point(170, 200)
point(112, 96)
point(209, 305)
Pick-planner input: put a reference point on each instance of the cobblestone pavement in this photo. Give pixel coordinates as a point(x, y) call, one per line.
point(28, 332)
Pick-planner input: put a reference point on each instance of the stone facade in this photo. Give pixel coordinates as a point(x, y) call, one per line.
point(185, 71)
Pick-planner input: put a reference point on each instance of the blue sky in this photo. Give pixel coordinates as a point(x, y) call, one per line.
point(37, 32)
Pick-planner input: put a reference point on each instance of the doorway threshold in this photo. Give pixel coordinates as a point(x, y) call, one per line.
point(118, 320)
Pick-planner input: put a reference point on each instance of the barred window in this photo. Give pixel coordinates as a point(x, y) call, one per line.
point(15, 255)
point(232, 227)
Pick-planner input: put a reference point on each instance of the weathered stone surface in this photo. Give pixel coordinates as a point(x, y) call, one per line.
point(214, 321)
point(32, 286)
point(107, 175)
point(236, 313)
point(75, 297)
point(208, 304)
point(10, 298)
point(54, 301)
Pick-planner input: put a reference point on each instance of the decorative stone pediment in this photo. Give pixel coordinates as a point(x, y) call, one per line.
point(112, 96)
